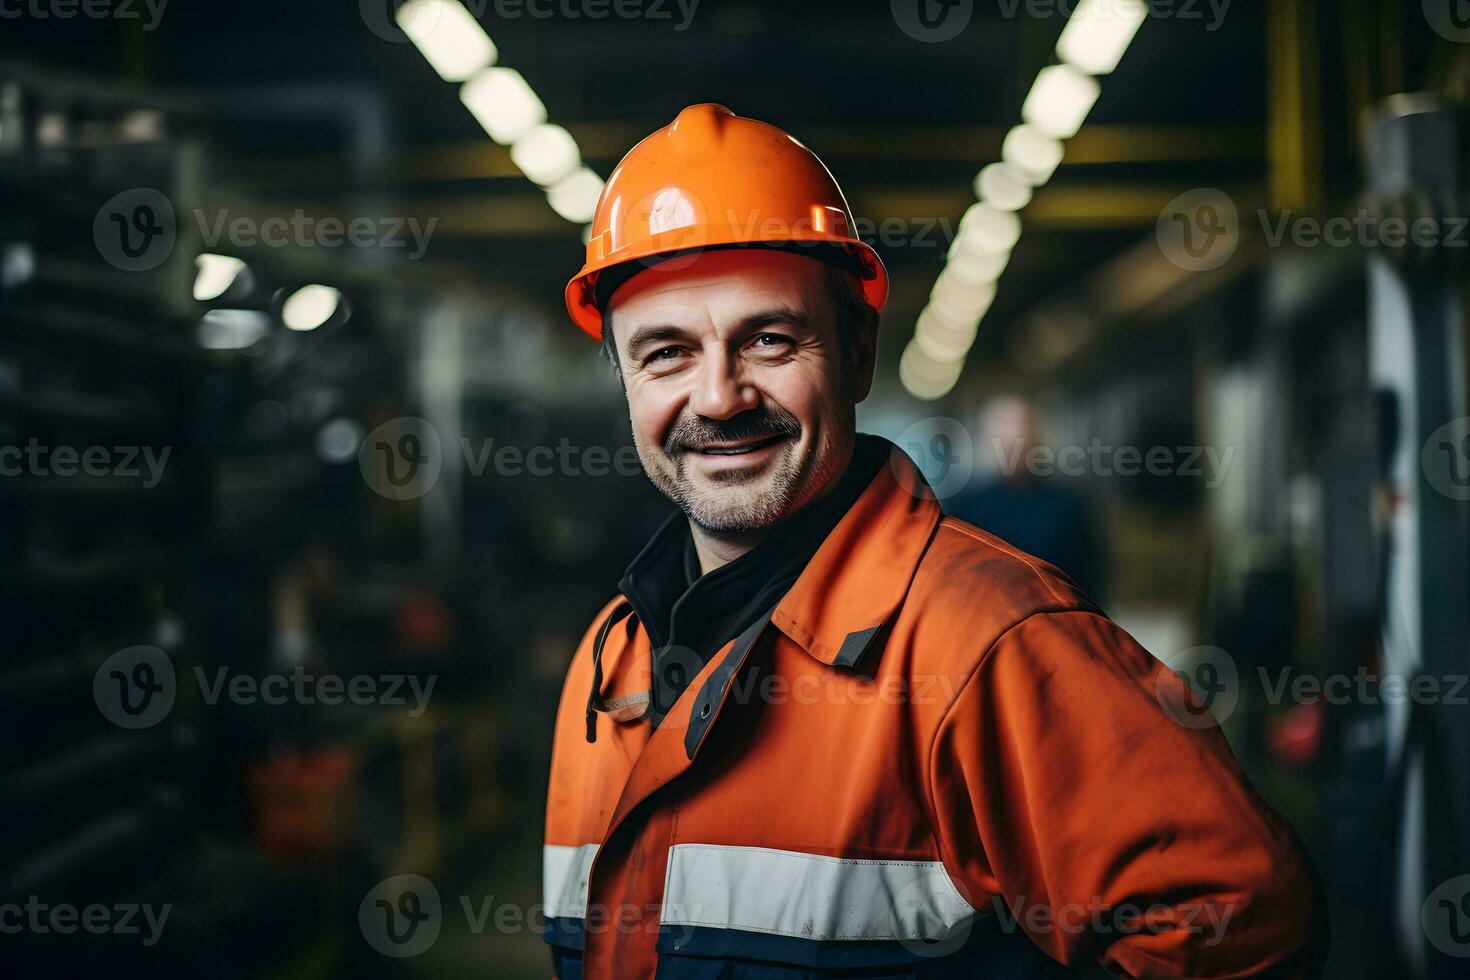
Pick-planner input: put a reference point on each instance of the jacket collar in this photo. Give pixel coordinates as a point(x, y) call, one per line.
point(858, 578)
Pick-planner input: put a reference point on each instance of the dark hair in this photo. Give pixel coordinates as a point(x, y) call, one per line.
point(852, 312)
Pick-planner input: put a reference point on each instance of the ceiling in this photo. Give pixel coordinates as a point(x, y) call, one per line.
point(305, 106)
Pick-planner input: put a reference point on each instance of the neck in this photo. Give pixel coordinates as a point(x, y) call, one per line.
point(715, 549)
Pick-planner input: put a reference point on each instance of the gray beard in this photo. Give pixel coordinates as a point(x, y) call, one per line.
point(745, 510)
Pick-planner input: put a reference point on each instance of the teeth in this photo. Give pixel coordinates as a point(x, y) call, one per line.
point(735, 450)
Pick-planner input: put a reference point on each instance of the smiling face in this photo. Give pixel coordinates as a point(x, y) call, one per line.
point(741, 394)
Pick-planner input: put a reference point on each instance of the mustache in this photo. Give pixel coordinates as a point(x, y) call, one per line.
point(694, 432)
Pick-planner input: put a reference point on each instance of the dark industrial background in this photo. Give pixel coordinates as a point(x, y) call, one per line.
point(1327, 381)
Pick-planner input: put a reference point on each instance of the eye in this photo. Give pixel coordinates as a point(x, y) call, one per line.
point(664, 354)
point(769, 341)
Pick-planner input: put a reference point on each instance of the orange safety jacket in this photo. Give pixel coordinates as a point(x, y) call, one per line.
point(933, 757)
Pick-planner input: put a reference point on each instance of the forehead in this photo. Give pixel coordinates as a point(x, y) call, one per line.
point(718, 287)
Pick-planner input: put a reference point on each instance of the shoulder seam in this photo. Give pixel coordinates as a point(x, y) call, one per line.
point(996, 545)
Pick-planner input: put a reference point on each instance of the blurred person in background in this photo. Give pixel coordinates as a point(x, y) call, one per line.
point(1035, 513)
point(823, 727)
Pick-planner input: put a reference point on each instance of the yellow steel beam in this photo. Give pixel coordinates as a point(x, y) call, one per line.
point(1294, 129)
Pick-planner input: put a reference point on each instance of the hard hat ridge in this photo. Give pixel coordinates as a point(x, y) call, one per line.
point(712, 179)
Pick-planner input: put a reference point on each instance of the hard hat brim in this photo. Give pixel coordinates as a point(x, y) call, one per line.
point(588, 292)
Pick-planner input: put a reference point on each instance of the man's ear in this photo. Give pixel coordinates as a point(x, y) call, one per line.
point(864, 355)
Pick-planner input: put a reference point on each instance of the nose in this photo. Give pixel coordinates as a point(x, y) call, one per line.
point(720, 390)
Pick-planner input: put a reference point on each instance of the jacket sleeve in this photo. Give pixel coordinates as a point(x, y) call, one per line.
point(1111, 833)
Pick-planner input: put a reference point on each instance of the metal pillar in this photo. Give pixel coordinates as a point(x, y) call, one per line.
point(1417, 354)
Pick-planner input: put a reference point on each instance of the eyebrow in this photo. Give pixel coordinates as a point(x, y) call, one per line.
point(644, 337)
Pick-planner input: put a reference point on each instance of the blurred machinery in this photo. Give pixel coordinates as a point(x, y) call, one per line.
point(95, 557)
point(182, 479)
point(1417, 339)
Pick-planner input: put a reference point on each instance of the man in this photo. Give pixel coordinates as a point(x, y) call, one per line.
point(1034, 513)
point(825, 730)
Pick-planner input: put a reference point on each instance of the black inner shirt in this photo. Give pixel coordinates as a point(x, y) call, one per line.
point(690, 616)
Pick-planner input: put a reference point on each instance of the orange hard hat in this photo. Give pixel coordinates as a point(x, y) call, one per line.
point(712, 179)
